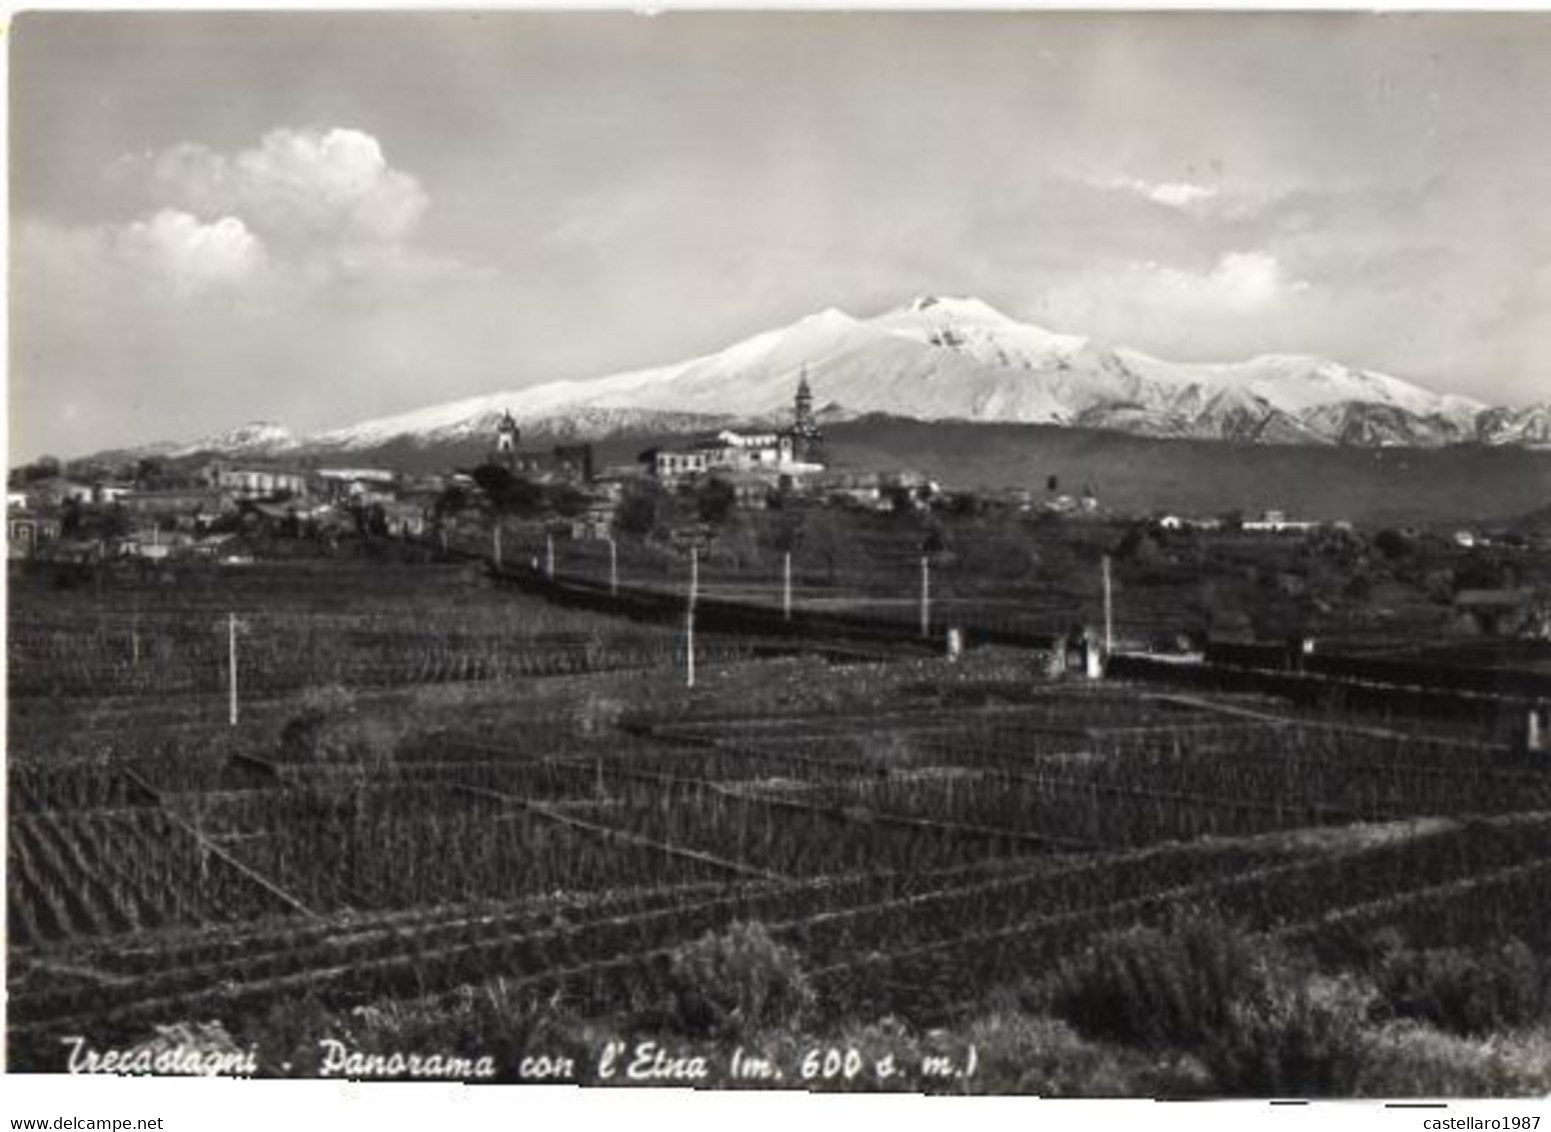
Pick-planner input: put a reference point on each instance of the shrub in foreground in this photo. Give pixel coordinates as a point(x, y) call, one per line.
point(1258, 1022)
point(1467, 992)
point(736, 982)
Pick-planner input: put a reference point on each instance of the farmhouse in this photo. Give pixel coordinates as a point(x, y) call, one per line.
point(26, 533)
point(863, 488)
point(356, 485)
point(255, 481)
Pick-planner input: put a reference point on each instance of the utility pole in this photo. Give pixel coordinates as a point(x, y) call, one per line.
point(926, 595)
point(689, 616)
point(496, 535)
point(786, 586)
point(1109, 612)
point(231, 662)
point(613, 568)
point(549, 556)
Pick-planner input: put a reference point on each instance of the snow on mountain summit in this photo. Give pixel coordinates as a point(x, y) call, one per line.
point(256, 438)
point(959, 358)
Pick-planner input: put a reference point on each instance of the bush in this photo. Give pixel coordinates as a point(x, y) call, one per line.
point(736, 983)
point(1161, 988)
point(1030, 1054)
point(331, 729)
point(1294, 1038)
point(1410, 1059)
point(1467, 992)
point(1260, 1024)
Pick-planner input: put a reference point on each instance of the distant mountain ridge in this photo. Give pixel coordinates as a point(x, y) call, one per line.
point(950, 359)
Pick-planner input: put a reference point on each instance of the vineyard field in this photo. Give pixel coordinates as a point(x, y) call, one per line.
point(438, 782)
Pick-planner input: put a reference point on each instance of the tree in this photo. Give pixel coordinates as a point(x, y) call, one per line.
point(785, 534)
point(453, 500)
point(43, 468)
point(1483, 572)
point(961, 503)
point(637, 513)
point(371, 521)
point(70, 518)
point(901, 499)
point(569, 501)
point(493, 479)
point(508, 492)
point(827, 536)
point(715, 500)
point(1391, 544)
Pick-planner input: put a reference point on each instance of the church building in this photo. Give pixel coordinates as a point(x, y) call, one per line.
point(790, 452)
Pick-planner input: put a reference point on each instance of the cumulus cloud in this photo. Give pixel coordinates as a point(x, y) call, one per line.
point(189, 255)
point(302, 216)
point(296, 185)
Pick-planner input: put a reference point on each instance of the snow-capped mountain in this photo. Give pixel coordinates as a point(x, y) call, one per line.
point(959, 359)
point(257, 438)
point(1529, 427)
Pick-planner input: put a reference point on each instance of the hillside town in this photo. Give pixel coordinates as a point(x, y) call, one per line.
point(736, 493)
point(210, 508)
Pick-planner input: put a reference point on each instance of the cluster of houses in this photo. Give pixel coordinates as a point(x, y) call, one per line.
point(1267, 523)
point(191, 514)
point(194, 511)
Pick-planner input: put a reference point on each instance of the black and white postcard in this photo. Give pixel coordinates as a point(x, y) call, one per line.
point(875, 552)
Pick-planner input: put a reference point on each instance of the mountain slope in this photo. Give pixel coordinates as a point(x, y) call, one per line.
point(947, 359)
point(962, 360)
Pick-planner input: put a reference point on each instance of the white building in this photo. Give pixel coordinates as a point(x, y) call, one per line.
point(792, 452)
point(259, 483)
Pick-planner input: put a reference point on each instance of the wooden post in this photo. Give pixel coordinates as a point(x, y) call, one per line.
point(1109, 616)
point(231, 662)
point(496, 535)
point(786, 586)
point(613, 569)
point(926, 596)
point(549, 556)
point(689, 616)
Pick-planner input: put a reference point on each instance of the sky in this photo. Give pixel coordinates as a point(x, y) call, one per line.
point(319, 218)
